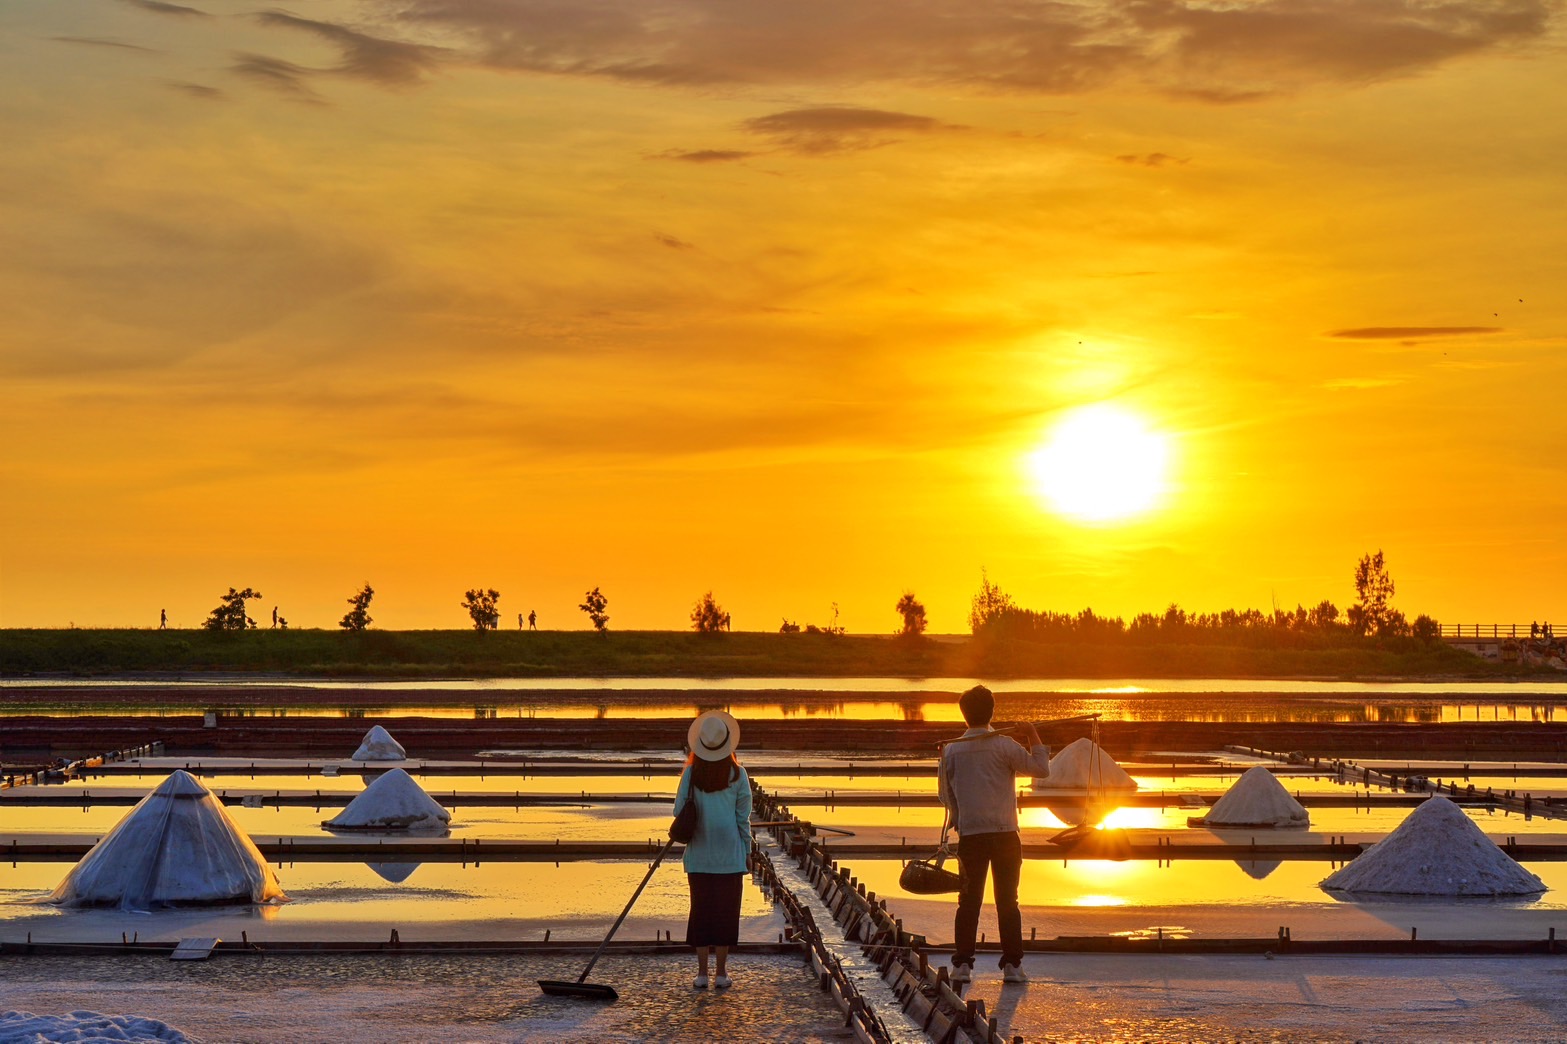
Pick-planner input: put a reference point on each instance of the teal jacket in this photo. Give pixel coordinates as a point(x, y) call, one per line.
point(723, 831)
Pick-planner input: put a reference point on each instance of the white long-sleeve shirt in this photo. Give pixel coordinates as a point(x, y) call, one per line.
point(978, 780)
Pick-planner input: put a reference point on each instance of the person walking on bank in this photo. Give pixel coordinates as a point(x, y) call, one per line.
point(978, 785)
point(718, 856)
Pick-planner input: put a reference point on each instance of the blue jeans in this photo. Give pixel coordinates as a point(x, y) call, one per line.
point(1001, 856)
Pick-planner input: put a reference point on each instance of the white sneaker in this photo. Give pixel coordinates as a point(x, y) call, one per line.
point(699, 983)
point(961, 973)
point(1012, 973)
point(722, 982)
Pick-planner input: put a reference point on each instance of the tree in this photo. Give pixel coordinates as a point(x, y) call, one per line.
point(594, 603)
point(358, 618)
point(1373, 592)
point(1426, 629)
point(480, 604)
point(230, 613)
point(1323, 615)
point(989, 606)
point(913, 614)
point(708, 617)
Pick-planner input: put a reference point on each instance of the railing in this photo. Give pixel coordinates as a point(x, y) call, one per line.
point(1535, 629)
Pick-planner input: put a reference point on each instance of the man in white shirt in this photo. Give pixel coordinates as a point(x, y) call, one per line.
point(978, 784)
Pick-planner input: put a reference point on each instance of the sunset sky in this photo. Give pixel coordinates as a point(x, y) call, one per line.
point(782, 300)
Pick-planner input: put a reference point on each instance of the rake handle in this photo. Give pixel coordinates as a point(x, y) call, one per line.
point(662, 852)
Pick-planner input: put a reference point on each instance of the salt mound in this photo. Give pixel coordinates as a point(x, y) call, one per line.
point(396, 873)
point(81, 1027)
point(1257, 869)
point(378, 745)
point(1083, 765)
point(1437, 850)
point(178, 845)
point(394, 801)
point(1257, 799)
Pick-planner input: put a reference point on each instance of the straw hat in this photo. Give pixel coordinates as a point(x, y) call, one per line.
point(714, 735)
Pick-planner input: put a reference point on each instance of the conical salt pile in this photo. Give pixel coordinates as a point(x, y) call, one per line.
point(378, 745)
point(1257, 799)
point(1083, 765)
point(394, 801)
point(178, 845)
point(1437, 850)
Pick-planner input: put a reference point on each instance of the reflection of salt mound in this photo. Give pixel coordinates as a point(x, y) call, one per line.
point(396, 873)
point(378, 745)
point(393, 802)
point(1437, 850)
point(1083, 765)
point(1257, 799)
point(178, 845)
point(1257, 869)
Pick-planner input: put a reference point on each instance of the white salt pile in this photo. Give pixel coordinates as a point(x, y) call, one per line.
point(1437, 850)
point(378, 745)
point(81, 1027)
point(394, 801)
point(178, 845)
point(1083, 765)
point(1257, 799)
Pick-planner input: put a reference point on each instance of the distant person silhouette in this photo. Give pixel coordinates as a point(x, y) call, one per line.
point(1534, 629)
point(274, 616)
point(533, 620)
point(163, 619)
point(519, 621)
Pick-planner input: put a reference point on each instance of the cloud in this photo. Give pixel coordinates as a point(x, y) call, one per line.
point(1399, 333)
point(1151, 159)
point(94, 41)
point(390, 63)
point(1187, 48)
point(159, 7)
point(708, 156)
point(672, 242)
point(284, 77)
point(195, 90)
point(840, 128)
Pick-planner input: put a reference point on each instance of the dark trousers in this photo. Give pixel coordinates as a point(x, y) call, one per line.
point(1001, 856)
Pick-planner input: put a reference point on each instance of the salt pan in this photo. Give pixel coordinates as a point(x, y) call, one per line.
point(1257, 799)
point(394, 801)
point(1437, 850)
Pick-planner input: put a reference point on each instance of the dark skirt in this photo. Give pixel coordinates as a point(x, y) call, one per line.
point(715, 909)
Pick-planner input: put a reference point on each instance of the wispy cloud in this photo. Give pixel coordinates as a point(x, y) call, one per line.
point(672, 242)
point(390, 63)
point(707, 156)
point(95, 41)
point(1404, 333)
point(159, 7)
point(1150, 159)
point(1189, 48)
point(284, 77)
point(195, 90)
point(841, 128)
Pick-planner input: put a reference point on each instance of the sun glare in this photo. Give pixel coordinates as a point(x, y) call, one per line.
point(1101, 464)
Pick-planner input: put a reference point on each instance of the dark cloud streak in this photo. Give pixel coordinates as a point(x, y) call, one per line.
point(1396, 333)
point(390, 63)
point(159, 7)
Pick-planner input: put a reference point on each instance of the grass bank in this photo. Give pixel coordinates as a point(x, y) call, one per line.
point(545, 654)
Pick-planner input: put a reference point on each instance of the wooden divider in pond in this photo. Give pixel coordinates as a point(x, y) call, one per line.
point(63, 770)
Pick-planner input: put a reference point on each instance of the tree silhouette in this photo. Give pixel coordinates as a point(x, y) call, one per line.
point(594, 603)
point(358, 618)
point(230, 613)
point(480, 603)
point(1373, 591)
point(990, 605)
point(708, 617)
point(913, 614)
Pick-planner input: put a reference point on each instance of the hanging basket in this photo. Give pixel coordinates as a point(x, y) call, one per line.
point(928, 877)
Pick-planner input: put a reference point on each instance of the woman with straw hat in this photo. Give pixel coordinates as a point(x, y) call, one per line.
point(718, 855)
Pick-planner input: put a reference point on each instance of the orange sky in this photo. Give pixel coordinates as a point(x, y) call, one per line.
point(777, 300)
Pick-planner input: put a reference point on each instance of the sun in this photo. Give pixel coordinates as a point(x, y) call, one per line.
point(1101, 464)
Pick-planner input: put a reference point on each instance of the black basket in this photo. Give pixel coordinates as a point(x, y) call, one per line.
point(924, 877)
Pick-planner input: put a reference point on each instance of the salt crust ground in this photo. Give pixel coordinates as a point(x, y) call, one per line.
point(419, 999)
